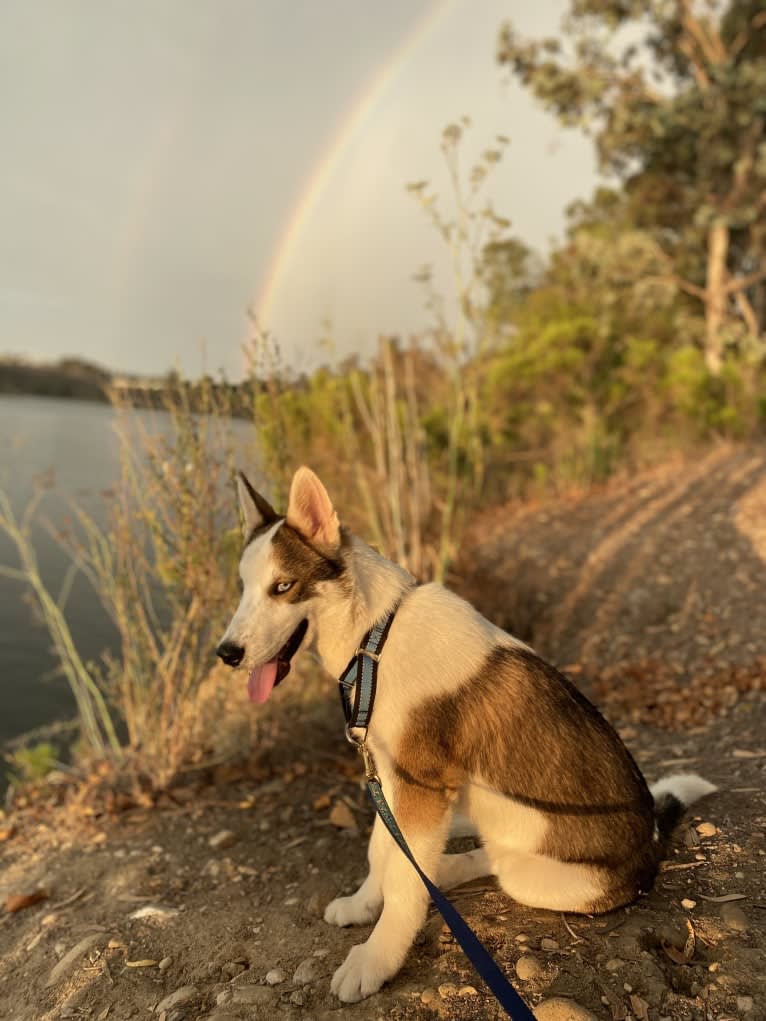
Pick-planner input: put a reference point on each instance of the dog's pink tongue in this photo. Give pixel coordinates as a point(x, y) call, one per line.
point(261, 681)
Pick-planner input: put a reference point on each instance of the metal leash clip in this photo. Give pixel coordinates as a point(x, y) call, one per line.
point(360, 743)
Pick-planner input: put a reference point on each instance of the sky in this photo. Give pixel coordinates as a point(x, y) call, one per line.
point(167, 166)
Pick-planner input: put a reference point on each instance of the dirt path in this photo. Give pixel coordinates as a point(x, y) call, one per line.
point(625, 578)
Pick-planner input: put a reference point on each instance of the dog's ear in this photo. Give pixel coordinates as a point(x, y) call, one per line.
point(310, 511)
point(256, 509)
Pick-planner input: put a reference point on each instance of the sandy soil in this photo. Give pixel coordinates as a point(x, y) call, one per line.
point(652, 594)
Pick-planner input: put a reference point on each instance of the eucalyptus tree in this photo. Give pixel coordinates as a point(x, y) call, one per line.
point(673, 93)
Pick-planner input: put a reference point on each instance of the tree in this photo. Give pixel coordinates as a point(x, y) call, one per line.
point(673, 93)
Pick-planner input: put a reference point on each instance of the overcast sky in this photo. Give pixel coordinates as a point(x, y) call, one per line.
point(168, 163)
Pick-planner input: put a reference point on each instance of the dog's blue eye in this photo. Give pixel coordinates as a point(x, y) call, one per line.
point(283, 586)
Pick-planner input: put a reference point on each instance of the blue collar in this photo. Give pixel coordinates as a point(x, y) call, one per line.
point(362, 674)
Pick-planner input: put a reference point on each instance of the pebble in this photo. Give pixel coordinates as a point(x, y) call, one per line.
point(528, 968)
point(546, 943)
point(224, 838)
point(744, 1004)
point(428, 996)
point(307, 971)
point(615, 964)
point(275, 977)
point(447, 989)
point(688, 904)
point(232, 968)
point(183, 995)
point(252, 994)
point(297, 997)
point(706, 829)
point(734, 917)
point(467, 991)
point(165, 963)
point(561, 1009)
point(314, 905)
point(522, 938)
point(158, 911)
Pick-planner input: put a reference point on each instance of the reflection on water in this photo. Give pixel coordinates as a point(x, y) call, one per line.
point(75, 442)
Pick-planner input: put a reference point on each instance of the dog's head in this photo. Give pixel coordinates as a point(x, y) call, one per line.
point(286, 565)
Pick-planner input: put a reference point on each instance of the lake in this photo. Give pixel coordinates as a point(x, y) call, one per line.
point(76, 442)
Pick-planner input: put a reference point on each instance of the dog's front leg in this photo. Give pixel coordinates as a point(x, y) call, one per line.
point(424, 819)
point(364, 906)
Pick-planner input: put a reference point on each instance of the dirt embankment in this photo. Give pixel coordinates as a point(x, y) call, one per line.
point(653, 594)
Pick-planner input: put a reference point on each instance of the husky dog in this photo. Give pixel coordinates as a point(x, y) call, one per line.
point(468, 723)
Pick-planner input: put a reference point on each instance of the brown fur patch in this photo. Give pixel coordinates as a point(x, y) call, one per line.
point(300, 562)
point(529, 733)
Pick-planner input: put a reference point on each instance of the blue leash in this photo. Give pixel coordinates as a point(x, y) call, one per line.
point(361, 674)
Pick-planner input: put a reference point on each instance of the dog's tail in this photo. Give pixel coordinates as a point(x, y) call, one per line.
point(673, 795)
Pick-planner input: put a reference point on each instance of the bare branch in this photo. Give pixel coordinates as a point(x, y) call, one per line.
point(737, 284)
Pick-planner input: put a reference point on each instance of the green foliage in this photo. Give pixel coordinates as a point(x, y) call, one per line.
point(676, 105)
point(33, 762)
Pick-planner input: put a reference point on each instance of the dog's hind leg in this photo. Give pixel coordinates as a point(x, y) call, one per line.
point(455, 869)
point(543, 882)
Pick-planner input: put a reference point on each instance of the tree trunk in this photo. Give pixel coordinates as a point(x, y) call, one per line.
point(716, 297)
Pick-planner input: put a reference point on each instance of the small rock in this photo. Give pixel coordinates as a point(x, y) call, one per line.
point(342, 816)
point(224, 838)
point(447, 989)
point(275, 977)
point(314, 905)
point(223, 997)
point(428, 996)
point(734, 917)
point(688, 904)
point(706, 829)
point(561, 1009)
point(744, 1004)
point(183, 995)
point(307, 971)
point(165, 963)
point(297, 997)
point(252, 994)
point(158, 911)
point(615, 964)
point(320, 952)
point(232, 968)
point(528, 968)
point(522, 938)
point(548, 944)
point(467, 991)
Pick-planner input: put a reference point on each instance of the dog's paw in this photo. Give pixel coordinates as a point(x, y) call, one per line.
point(354, 910)
point(361, 974)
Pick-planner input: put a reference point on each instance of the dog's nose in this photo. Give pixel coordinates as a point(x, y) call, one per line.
point(230, 653)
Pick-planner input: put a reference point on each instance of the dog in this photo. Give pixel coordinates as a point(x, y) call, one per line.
point(469, 724)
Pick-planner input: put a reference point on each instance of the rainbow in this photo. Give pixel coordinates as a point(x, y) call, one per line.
point(333, 153)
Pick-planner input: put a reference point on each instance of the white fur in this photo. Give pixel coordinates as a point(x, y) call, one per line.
point(261, 624)
point(687, 787)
